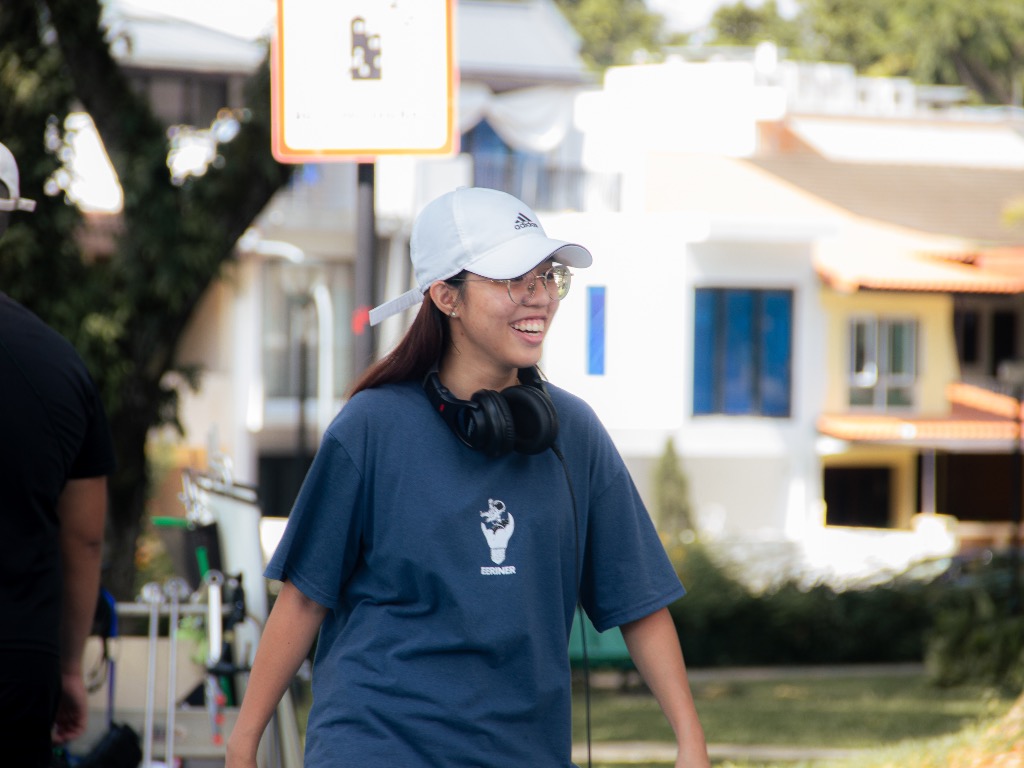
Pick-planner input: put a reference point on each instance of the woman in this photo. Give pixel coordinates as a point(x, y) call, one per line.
point(456, 512)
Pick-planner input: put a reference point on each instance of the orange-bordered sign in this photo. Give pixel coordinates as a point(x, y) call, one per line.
point(354, 79)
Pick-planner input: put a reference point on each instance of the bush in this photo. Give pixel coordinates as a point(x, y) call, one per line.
point(975, 638)
point(963, 623)
point(722, 622)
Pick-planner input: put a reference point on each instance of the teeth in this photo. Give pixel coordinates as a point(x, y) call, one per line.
point(529, 326)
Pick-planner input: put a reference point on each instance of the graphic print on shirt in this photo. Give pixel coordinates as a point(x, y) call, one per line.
point(498, 525)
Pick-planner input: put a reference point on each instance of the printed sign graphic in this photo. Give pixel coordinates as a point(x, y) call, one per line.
point(358, 78)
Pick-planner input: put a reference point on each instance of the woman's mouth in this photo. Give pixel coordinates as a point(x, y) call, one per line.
point(532, 326)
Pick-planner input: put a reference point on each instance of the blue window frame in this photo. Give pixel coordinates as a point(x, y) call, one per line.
point(742, 352)
point(595, 330)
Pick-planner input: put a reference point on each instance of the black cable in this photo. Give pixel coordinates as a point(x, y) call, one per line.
point(579, 605)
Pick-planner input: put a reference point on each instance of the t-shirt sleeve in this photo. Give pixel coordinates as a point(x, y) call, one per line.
point(320, 545)
point(96, 457)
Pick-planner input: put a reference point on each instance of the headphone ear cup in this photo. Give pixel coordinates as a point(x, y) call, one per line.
point(534, 418)
point(491, 429)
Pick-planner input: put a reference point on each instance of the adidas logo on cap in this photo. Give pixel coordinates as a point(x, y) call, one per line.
point(523, 221)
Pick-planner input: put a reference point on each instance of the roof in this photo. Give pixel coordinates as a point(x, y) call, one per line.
point(972, 142)
point(954, 201)
point(517, 44)
point(850, 271)
point(150, 40)
point(978, 420)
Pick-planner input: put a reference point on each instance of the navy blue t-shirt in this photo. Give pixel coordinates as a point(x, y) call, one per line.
point(452, 579)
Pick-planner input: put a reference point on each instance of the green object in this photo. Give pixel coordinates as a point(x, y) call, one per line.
point(605, 650)
point(170, 522)
point(203, 559)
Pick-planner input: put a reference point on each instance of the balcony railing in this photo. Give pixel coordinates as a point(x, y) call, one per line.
point(549, 188)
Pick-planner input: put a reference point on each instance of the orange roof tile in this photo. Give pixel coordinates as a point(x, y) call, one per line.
point(984, 400)
point(977, 415)
point(917, 272)
point(880, 428)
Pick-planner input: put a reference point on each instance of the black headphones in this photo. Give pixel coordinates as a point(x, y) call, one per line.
point(521, 418)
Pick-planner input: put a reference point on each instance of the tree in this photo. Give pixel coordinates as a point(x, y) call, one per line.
point(613, 31)
point(978, 44)
point(127, 313)
point(672, 497)
point(741, 24)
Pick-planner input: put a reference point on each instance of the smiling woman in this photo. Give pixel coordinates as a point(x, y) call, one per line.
point(458, 511)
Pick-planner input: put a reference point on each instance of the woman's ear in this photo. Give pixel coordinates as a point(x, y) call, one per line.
point(445, 297)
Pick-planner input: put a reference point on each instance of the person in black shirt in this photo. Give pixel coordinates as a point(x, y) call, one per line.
point(55, 454)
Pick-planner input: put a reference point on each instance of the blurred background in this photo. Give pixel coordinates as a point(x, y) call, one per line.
point(804, 326)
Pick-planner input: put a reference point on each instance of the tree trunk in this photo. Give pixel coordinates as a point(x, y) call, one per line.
point(129, 490)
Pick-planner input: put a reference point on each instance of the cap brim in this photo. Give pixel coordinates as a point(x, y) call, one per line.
point(517, 257)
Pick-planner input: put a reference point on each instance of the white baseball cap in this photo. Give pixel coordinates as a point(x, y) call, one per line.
point(484, 231)
point(9, 178)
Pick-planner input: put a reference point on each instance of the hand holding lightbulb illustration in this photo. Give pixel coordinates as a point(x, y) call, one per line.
point(496, 531)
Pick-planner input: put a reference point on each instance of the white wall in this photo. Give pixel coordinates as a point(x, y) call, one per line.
point(748, 475)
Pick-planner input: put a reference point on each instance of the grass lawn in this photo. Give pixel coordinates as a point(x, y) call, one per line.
point(857, 712)
point(903, 720)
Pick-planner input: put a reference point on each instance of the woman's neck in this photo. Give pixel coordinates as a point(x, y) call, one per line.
point(463, 379)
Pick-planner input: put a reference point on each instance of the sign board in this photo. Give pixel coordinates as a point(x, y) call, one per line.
point(354, 79)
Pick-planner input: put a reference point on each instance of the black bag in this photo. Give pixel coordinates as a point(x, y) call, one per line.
point(119, 748)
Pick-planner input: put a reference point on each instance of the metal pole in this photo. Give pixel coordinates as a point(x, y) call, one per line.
point(366, 241)
point(303, 386)
point(1015, 511)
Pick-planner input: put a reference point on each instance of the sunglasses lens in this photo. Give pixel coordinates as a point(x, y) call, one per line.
point(556, 284)
point(558, 280)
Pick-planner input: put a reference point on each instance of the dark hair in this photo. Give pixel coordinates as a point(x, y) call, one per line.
point(418, 351)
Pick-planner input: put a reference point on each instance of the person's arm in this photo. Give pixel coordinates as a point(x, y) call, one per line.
point(81, 509)
point(654, 646)
point(289, 633)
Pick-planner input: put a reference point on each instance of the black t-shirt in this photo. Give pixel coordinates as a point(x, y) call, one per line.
point(52, 429)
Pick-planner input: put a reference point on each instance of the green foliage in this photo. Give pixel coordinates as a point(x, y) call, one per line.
point(722, 622)
point(741, 24)
point(979, 44)
point(613, 30)
point(672, 508)
point(963, 626)
point(976, 639)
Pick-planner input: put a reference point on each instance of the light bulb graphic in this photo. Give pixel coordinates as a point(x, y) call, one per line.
point(497, 531)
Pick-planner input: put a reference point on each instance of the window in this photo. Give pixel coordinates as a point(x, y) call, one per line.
point(1004, 338)
point(858, 496)
point(595, 330)
point(742, 352)
point(966, 328)
point(883, 362)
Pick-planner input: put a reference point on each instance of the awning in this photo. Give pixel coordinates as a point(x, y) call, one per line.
point(978, 420)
